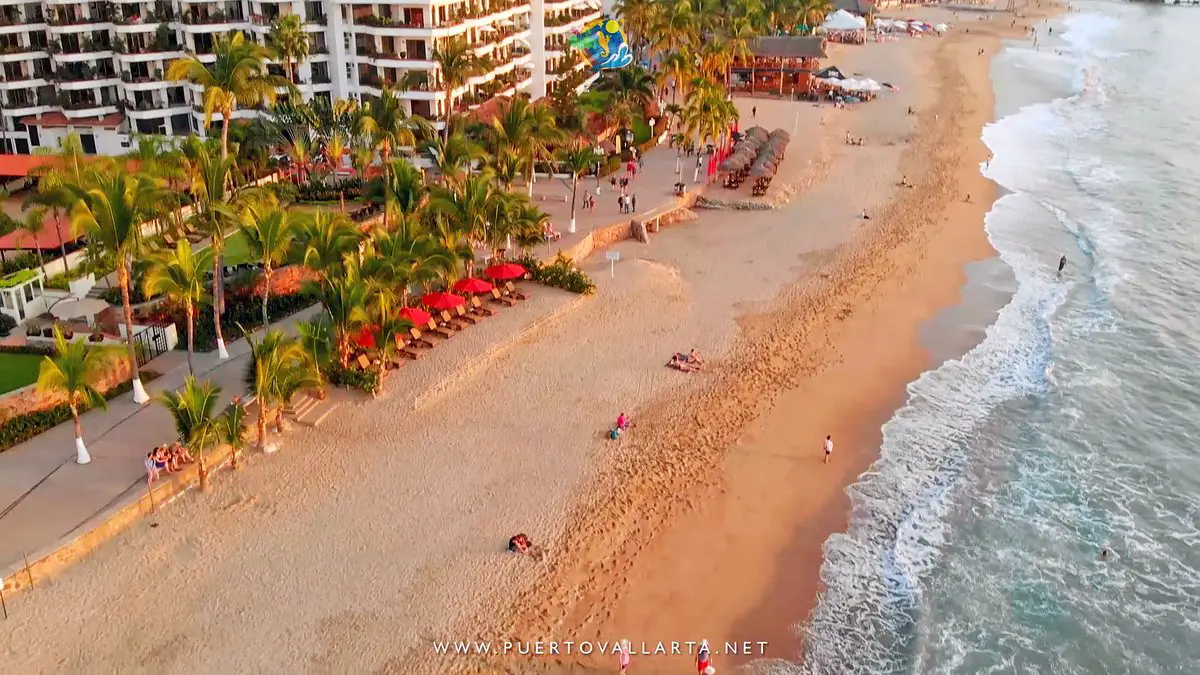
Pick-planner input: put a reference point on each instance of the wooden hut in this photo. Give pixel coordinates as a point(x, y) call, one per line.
point(780, 65)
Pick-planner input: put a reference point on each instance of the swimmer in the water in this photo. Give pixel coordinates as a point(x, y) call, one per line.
point(1104, 554)
point(1062, 262)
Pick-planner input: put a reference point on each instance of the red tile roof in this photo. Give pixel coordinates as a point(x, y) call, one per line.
point(47, 239)
point(22, 165)
point(57, 119)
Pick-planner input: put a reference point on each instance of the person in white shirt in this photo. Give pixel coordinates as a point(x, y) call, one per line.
point(828, 448)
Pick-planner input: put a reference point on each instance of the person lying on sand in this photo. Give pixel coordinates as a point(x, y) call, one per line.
point(693, 357)
point(522, 544)
point(680, 362)
point(904, 182)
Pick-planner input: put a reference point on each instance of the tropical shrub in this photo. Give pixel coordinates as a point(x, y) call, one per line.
point(16, 263)
point(7, 323)
point(240, 310)
point(561, 273)
point(353, 378)
point(350, 188)
point(21, 428)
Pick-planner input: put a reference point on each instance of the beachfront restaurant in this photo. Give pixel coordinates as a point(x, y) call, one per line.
point(781, 65)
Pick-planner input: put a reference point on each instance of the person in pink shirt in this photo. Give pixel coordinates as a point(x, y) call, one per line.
point(623, 656)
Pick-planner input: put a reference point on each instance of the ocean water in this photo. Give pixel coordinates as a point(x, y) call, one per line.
point(974, 544)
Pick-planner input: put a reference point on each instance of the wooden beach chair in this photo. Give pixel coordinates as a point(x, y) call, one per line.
point(438, 330)
point(152, 246)
point(450, 320)
point(478, 309)
point(363, 362)
point(462, 314)
point(169, 240)
point(514, 291)
point(502, 299)
point(192, 235)
point(417, 339)
point(405, 350)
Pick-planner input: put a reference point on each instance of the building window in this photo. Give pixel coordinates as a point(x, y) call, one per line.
point(28, 292)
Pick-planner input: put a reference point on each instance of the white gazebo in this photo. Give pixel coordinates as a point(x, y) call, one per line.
point(21, 294)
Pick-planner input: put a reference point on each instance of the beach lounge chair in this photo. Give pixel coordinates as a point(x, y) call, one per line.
point(514, 291)
point(406, 351)
point(363, 362)
point(478, 309)
point(169, 240)
point(438, 330)
point(193, 236)
point(504, 300)
point(417, 339)
point(450, 320)
point(152, 246)
point(462, 314)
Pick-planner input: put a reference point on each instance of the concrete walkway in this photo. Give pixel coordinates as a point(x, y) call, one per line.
point(44, 495)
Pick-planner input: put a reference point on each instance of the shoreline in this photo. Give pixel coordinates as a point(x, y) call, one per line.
point(763, 541)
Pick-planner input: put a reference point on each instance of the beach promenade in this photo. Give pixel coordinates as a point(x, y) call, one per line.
point(46, 499)
point(383, 530)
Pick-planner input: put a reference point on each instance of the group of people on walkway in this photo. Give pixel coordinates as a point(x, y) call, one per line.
point(166, 458)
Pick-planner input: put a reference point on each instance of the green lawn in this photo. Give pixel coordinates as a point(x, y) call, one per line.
point(17, 370)
point(237, 250)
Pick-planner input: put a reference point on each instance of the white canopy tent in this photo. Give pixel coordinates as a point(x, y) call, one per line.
point(843, 20)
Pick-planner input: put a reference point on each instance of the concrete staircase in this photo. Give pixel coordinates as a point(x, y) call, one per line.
point(97, 292)
point(309, 410)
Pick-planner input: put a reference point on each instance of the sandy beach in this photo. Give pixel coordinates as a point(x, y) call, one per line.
point(371, 537)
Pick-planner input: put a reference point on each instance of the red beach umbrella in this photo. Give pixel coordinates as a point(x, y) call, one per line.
point(472, 285)
point(505, 271)
point(440, 301)
point(414, 315)
point(365, 338)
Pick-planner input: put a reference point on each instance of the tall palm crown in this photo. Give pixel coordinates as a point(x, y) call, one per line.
point(111, 207)
point(389, 127)
point(278, 367)
point(63, 168)
point(289, 43)
point(238, 78)
point(192, 409)
point(180, 276)
point(73, 372)
point(270, 233)
point(457, 63)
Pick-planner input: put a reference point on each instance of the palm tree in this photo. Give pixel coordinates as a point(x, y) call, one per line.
point(238, 77)
point(328, 240)
point(466, 209)
point(576, 159)
point(344, 297)
point(62, 168)
point(457, 63)
point(111, 208)
point(675, 69)
point(73, 373)
point(402, 191)
point(216, 200)
point(708, 115)
point(453, 155)
point(278, 368)
point(32, 223)
point(192, 410)
point(289, 43)
point(389, 128)
point(400, 260)
point(179, 275)
point(231, 429)
point(386, 328)
point(674, 29)
point(639, 16)
point(629, 91)
point(270, 232)
point(741, 34)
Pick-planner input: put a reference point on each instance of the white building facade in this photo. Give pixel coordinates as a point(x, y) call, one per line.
point(97, 68)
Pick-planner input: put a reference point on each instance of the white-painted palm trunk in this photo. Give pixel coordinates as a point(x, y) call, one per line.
point(571, 227)
point(222, 353)
point(81, 453)
point(139, 394)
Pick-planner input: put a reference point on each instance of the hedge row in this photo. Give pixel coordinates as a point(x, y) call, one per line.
point(245, 311)
point(353, 378)
point(561, 273)
point(24, 427)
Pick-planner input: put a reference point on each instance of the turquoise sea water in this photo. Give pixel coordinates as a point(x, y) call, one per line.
point(974, 544)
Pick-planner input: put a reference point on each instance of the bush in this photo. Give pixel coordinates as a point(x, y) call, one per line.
point(30, 348)
point(350, 188)
point(21, 261)
point(7, 323)
point(136, 297)
point(245, 311)
point(612, 164)
point(353, 378)
point(561, 273)
point(24, 427)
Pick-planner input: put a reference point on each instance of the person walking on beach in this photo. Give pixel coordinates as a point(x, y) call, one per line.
point(703, 659)
point(828, 448)
point(754, 112)
point(623, 656)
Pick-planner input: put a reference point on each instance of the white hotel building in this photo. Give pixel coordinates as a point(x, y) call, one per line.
point(96, 68)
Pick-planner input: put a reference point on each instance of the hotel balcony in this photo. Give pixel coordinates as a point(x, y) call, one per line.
point(72, 49)
point(13, 20)
point(24, 80)
point(25, 102)
point(570, 20)
point(11, 53)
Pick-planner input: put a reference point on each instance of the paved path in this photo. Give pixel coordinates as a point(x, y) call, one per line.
point(45, 496)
